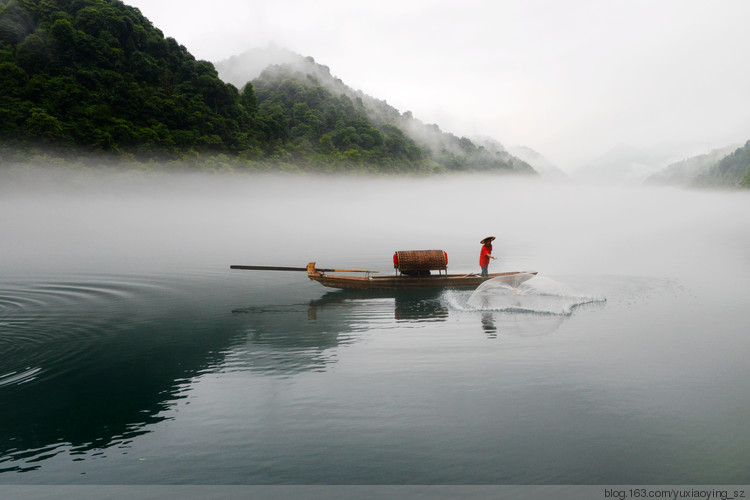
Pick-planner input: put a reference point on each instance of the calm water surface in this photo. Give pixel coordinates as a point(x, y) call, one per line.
point(131, 354)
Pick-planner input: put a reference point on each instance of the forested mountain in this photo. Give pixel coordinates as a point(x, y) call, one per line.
point(398, 137)
point(97, 76)
point(684, 173)
point(316, 125)
point(732, 171)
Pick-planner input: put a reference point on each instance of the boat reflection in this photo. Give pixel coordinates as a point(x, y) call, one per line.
point(488, 325)
point(284, 340)
point(407, 305)
point(293, 338)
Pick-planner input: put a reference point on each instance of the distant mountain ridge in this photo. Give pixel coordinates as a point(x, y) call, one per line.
point(539, 163)
point(724, 167)
point(245, 67)
point(625, 164)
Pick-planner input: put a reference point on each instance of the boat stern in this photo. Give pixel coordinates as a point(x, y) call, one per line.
point(312, 273)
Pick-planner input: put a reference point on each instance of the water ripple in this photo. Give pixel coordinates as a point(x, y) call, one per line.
point(44, 324)
point(15, 378)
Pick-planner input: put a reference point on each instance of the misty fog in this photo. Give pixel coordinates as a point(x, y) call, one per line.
point(151, 222)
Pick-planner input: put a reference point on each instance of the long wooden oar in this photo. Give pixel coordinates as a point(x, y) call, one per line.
point(281, 268)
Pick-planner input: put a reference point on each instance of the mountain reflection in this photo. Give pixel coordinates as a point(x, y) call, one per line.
point(90, 364)
point(108, 397)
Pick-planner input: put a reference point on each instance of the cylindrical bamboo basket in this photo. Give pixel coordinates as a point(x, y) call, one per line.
point(421, 260)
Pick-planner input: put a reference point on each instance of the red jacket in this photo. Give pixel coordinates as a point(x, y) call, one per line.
point(484, 255)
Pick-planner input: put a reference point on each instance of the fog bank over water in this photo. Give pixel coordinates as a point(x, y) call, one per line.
point(130, 221)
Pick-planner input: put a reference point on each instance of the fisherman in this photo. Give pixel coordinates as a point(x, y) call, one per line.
point(486, 254)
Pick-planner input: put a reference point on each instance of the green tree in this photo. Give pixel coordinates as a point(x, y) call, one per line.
point(41, 125)
point(14, 80)
point(248, 99)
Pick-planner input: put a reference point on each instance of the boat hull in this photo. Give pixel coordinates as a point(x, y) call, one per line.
point(400, 282)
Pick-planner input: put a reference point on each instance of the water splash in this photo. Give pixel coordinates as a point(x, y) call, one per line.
point(538, 295)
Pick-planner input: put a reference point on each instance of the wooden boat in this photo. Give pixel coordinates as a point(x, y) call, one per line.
point(404, 282)
point(414, 272)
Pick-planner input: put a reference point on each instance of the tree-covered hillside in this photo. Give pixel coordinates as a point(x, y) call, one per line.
point(684, 173)
point(312, 85)
point(95, 74)
point(732, 171)
point(313, 124)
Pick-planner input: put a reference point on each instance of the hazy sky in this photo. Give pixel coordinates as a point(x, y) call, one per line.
point(568, 78)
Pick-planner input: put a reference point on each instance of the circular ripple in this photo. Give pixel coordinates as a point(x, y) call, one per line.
point(46, 324)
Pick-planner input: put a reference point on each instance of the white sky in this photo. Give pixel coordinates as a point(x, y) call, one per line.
point(568, 78)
